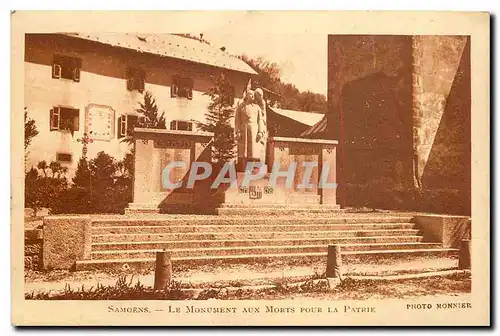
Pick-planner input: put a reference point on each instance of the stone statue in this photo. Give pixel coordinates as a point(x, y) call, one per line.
point(251, 127)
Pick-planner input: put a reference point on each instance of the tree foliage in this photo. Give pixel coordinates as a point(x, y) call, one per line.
point(101, 185)
point(44, 185)
point(218, 120)
point(151, 118)
point(30, 130)
point(280, 94)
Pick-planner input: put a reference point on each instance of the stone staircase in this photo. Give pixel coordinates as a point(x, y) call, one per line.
point(133, 241)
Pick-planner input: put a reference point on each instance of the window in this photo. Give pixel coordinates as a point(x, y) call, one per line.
point(126, 124)
point(66, 67)
point(135, 80)
point(181, 125)
point(63, 157)
point(182, 87)
point(64, 118)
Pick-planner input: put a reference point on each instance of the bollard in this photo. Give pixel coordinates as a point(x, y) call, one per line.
point(333, 262)
point(464, 261)
point(163, 270)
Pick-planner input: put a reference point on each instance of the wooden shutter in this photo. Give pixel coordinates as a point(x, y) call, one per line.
point(121, 126)
point(55, 118)
point(76, 74)
point(130, 83)
point(174, 88)
point(189, 88)
point(76, 120)
point(56, 70)
point(140, 84)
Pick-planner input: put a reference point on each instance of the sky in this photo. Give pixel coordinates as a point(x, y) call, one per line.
point(301, 57)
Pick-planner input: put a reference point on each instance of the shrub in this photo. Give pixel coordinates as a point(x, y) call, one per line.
point(101, 185)
point(44, 190)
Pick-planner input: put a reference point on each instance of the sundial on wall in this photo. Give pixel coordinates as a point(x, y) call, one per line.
point(100, 122)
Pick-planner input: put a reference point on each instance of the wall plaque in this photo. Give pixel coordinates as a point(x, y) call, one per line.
point(100, 122)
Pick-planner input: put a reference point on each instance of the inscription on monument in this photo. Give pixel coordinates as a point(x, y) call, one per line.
point(301, 150)
point(181, 144)
point(255, 192)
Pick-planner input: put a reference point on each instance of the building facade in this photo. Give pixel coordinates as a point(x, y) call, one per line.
point(93, 83)
point(401, 108)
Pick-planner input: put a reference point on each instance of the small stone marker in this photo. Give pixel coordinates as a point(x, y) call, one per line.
point(163, 270)
point(334, 262)
point(464, 258)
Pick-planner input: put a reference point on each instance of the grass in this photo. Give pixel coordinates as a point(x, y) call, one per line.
point(314, 287)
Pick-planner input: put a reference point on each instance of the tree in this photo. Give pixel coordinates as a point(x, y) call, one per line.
point(30, 130)
point(149, 110)
point(150, 117)
point(44, 190)
point(218, 120)
point(103, 171)
point(101, 185)
point(284, 95)
point(82, 174)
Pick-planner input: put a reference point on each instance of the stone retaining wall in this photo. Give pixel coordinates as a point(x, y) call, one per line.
point(33, 244)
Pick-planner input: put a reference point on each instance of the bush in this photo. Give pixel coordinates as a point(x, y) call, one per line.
point(73, 200)
point(101, 185)
point(44, 190)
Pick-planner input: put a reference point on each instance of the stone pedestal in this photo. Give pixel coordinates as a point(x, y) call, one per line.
point(314, 162)
point(283, 153)
point(154, 149)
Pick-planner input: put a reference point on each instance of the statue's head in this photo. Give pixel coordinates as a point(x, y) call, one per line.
point(259, 94)
point(249, 97)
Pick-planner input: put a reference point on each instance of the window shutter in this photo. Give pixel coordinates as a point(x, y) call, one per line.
point(76, 120)
point(55, 117)
point(130, 84)
point(189, 84)
point(174, 90)
point(119, 127)
point(76, 74)
point(140, 84)
point(56, 70)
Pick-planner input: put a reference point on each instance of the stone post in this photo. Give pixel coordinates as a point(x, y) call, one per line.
point(163, 270)
point(334, 262)
point(464, 256)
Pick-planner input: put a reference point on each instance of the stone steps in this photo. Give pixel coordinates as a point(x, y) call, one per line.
point(175, 244)
point(283, 210)
point(211, 220)
point(302, 237)
point(255, 250)
point(246, 228)
point(229, 235)
point(357, 256)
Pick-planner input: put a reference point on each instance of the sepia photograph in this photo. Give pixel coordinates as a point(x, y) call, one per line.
point(254, 166)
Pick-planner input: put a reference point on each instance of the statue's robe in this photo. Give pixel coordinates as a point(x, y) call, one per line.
point(249, 122)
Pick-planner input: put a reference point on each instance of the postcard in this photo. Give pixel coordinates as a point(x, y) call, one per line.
point(250, 168)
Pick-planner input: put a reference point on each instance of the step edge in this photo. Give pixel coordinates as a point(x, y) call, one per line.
point(110, 252)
